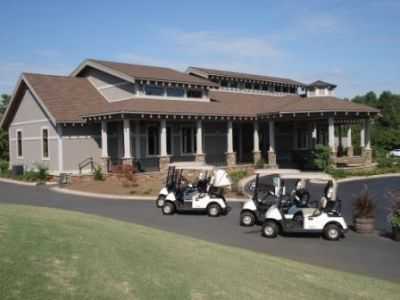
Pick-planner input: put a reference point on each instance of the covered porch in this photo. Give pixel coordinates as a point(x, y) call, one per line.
point(152, 142)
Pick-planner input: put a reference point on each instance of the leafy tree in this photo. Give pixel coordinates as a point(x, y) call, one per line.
point(4, 100)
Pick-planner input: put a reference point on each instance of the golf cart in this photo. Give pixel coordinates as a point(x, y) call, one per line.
point(206, 196)
point(264, 195)
point(169, 185)
point(326, 219)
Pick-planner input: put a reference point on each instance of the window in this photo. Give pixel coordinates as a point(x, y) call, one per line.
point(188, 140)
point(153, 141)
point(248, 85)
point(175, 92)
point(19, 143)
point(302, 138)
point(169, 140)
point(256, 86)
point(233, 84)
point(194, 94)
point(45, 143)
point(265, 87)
point(152, 90)
point(224, 83)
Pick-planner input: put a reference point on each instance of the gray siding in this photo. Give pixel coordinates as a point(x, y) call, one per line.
point(80, 143)
point(30, 119)
point(105, 83)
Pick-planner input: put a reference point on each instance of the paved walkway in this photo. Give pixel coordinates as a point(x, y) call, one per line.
point(374, 255)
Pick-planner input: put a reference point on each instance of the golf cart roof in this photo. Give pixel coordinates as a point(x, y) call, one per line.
point(268, 172)
point(192, 166)
point(314, 176)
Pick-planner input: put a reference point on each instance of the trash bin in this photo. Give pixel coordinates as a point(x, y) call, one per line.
point(17, 170)
point(65, 178)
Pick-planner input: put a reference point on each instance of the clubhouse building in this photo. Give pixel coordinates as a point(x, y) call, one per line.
point(113, 113)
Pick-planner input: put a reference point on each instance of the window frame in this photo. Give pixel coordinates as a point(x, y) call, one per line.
point(42, 143)
point(156, 87)
point(194, 90)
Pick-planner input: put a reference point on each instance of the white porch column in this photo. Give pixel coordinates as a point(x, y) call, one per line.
point(200, 156)
point(230, 137)
point(137, 140)
point(256, 138)
point(163, 138)
point(230, 154)
point(271, 151)
point(199, 137)
point(164, 158)
point(104, 140)
point(127, 139)
point(350, 151)
point(271, 136)
point(331, 134)
point(256, 144)
point(367, 133)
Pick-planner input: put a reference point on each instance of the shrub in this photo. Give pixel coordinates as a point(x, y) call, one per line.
point(4, 167)
point(260, 164)
point(42, 173)
point(98, 173)
point(236, 176)
point(364, 206)
point(127, 174)
point(395, 208)
point(321, 157)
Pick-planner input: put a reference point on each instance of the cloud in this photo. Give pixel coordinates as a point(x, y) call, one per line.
point(216, 43)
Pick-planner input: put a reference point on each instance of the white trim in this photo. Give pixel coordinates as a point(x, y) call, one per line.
point(41, 143)
point(34, 138)
point(28, 122)
point(22, 146)
point(127, 138)
point(104, 139)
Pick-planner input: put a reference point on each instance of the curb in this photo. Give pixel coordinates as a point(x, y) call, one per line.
point(25, 183)
point(357, 178)
point(120, 197)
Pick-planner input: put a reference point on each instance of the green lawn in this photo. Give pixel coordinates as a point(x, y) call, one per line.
point(53, 254)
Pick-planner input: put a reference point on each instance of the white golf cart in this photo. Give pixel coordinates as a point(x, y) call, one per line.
point(169, 185)
point(326, 219)
point(264, 195)
point(206, 196)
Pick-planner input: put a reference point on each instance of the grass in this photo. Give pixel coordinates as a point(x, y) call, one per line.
point(53, 254)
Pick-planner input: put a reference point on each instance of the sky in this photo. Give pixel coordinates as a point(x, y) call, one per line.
point(354, 44)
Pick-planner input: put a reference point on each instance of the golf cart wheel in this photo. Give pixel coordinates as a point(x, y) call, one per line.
point(168, 208)
point(160, 201)
point(247, 219)
point(214, 210)
point(332, 232)
point(270, 230)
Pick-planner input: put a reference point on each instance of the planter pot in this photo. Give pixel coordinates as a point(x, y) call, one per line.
point(364, 225)
point(396, 233)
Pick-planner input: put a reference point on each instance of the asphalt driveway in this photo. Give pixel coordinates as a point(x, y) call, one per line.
point(374, 255)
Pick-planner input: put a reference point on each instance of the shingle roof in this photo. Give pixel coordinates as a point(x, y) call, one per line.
point(245, 76)
point(143, 72)
point(69, 99)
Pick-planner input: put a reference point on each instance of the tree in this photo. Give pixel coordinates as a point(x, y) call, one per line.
point(4, 100)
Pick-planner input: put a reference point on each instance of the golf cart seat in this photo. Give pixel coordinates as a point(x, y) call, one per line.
point(313, 212)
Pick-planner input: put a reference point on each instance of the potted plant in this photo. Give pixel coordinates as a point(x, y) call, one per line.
point(364, 213)
point(394, 215)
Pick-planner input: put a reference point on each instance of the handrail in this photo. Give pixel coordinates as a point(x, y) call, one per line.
point(86, 162)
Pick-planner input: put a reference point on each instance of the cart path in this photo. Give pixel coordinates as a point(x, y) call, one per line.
point(374, 255)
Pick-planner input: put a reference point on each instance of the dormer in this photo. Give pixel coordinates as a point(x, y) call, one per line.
point(121, 81)
point(236, 82)
point(320, 88)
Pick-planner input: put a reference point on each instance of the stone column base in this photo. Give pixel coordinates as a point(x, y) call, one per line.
point(200, 157)
point(333, 156)
point(350, 151)
point(164, 163)
point(230, 158)
point(272, 159)
point(127, 161)
point(257, 156)
point(367, 154)
point(105, 164)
